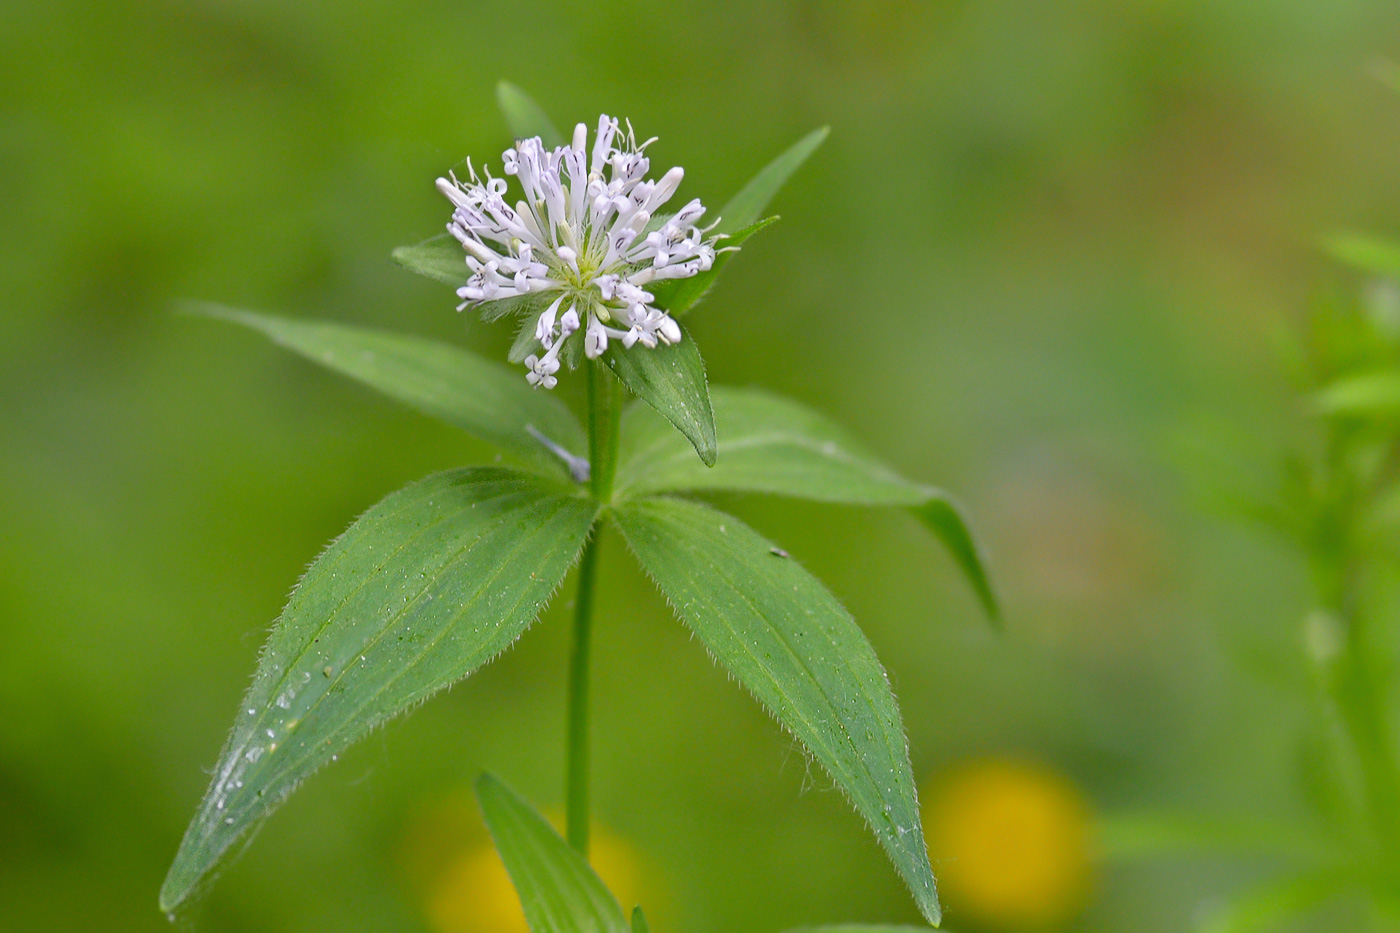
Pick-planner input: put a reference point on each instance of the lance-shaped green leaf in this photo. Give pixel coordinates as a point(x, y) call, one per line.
point(423, 589)
point(1149, 834)
point(484, 398)
point(678, 295)
point(1373, 393)
point(1275, 902)
point(739, 219)
point(440, 258)
point(787, 639)
point(1368, 254)
point(747, 206)
point(773, 445)
point(525, 117)
point(639, 921)
point(671, 379)
point(558, 890)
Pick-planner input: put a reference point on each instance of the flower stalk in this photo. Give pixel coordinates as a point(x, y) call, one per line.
point(604, 412)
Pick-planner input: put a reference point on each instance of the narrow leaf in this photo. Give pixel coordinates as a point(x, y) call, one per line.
point(747, 206)
point(439, 258)
point(423, 589)
point(787, 639)
point(678, 295)
point(671, 379)
point(1368, 254)
point(1152, 834)
point(558, 890)
point(739, 220)
point(944, 517)
point(484, 398)
point(525, 117)
point(773, 445)
point(1276, 902)
point(1388, 73)
point(639, 921)
point(861, 928)
point(1375, 393)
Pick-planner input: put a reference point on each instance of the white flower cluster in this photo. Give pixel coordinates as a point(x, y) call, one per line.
point(587, 232)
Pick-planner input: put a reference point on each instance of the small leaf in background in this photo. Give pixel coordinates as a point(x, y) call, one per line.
point(671, 379)
point(439, 258)
point(678, 295)
point(1374, 393)
point(484, 398)
point(1274, 903)
point(525, 117)
point(860, 928)
point(639, 921)
point(1388, 73)
point(1153, 834)
point(558, 890)
point(785, 637)
point(774, 445)
point(424, 588)
point(1371, 255)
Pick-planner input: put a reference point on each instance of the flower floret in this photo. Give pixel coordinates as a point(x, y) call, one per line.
point(586, 234)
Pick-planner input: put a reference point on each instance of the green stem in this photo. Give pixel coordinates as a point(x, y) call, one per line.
point(604, 409)
point(576, 797)
point(604, 412)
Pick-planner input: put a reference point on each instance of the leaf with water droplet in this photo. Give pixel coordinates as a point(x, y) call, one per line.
point(774, 445)
point(459, 564)
point(826, 686)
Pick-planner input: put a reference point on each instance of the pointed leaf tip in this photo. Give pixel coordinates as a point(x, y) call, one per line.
point(782, 634)
point(525, 117)
point(427, 586)
point(774, 445)
point(945, 519)
point(745, 207)
point(671, 379)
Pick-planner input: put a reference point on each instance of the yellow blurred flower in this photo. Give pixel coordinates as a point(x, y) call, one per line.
point(463, 887)
point(1011, 844)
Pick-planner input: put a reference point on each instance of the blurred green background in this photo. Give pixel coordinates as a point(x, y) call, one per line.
point(1044, 244)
